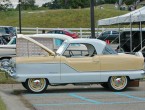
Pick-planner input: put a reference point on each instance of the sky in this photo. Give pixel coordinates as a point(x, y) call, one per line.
point(38, 2)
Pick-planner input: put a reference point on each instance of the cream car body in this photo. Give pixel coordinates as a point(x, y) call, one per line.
point(68, 66)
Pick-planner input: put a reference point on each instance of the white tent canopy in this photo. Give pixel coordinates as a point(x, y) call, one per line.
point(134, 16)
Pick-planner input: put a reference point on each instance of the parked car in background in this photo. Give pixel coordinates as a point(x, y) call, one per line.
point(2, 40)
point(74, 35)
point(7, 51)
point(136, 40)
point(7, 32)
point(109, 35)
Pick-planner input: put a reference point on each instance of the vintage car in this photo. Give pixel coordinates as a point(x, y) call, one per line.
point(77, 61)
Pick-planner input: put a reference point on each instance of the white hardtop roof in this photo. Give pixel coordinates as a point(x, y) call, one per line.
point(86, 40)
point(98, 44)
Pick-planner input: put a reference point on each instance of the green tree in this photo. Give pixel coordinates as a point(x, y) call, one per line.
point(5, 5)
point(65, 4)
point(110, 1)
point(129, 2)
point(28, 5)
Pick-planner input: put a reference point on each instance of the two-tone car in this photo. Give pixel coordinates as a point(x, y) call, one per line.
point(77, 61)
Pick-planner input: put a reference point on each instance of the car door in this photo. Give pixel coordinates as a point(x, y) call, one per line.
point(79, 67)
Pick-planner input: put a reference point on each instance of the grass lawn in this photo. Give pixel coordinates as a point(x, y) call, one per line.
point(2, 105)
point(5, 80)
point(62, 18)
point(2, 79)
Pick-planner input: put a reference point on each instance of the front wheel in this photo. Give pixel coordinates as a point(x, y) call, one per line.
point(36, 85)
point(5, 63)
point(24, 85)
point(105, 85)
point(118, 83)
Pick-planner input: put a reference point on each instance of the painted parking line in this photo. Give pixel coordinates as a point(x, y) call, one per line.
point(60, 104)
point(94, 102)
point(130, 96)
point(77, 103)
point(84, 98)
point(59, 94)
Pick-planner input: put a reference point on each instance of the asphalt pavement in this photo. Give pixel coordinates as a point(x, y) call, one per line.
point(73, 98)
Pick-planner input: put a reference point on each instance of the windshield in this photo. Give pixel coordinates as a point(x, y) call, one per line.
point(108, 50)
point(13, 30)
point(62, 48)
point(12, 41)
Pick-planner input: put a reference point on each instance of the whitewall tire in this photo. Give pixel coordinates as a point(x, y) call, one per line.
point(36, 85)
point(118, 83)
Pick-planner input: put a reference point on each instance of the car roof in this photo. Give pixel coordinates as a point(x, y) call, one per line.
point(60, 30)
point(133, 31)
point(99, 45)
point(85, 40)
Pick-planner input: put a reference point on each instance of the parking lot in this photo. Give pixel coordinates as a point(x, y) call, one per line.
point(83, 98)
point(78, 98)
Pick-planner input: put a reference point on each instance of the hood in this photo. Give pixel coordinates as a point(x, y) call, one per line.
point(37, 43)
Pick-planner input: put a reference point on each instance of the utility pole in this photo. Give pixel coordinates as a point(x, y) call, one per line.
point(92, 19)
point(20, 16)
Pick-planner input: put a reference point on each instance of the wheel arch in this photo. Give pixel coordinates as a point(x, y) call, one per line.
point(5, 58)
point(44, 78)
point(128, 78)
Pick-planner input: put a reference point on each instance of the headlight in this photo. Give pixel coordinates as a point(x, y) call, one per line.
point(8, 65)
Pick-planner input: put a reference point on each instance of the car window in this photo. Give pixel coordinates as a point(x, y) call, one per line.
point(75, 50)
point(69, 31)
point(8, 30)
point(57, 31)
point(2, 30)
point(115, 32)
point(12, 41)
point(108, 50)
point(0, 41)
point(80, 50)
point(61, 32)
point(49, 32)
point(107, 32)
point(62, 48)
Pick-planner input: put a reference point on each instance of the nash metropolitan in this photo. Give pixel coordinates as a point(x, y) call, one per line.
point(77, 61)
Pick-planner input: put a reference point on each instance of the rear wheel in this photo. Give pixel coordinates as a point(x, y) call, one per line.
point(118, 83)
point(36, 85)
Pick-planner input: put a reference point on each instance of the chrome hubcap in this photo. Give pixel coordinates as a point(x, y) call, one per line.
point(118, 83)
point(37, 85)
point(5, 64)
